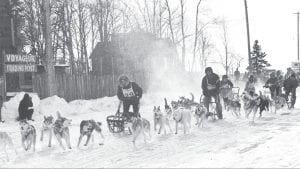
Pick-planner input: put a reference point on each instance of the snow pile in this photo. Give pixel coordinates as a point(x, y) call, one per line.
point(10, 108)
point(50, 105)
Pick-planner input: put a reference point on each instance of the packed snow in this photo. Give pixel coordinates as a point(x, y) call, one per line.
point(272, 142)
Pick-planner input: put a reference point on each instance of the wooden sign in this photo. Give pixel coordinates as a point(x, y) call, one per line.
point(14, 68)
point(21, 59)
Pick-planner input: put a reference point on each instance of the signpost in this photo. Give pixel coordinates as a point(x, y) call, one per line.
point(18, 63)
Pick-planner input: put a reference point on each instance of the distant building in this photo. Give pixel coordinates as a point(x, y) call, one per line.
point(133, 52)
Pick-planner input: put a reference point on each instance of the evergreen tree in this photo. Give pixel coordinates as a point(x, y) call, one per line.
point(258, 60)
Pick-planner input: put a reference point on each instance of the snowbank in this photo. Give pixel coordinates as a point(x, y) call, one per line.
point(50, 105)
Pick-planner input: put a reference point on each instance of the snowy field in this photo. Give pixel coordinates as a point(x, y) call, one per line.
point(272, 142)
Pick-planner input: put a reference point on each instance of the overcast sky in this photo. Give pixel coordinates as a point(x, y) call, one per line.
point(272, 22)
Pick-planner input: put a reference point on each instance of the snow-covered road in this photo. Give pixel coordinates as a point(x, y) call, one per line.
point(272, 142)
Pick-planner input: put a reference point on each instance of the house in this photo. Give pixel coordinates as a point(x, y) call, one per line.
point(132, 52)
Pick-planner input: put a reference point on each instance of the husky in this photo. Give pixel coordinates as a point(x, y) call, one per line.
point(161, 119)
point(86, 128)
point(201, 114)
point(6, 141)
point(28, 134)
point(184, 102)
point(182, 115)
point(139, 125)
point(234, 105)
point(48, 127)
point(265, 103)
point(61, 130)
point(251, 104)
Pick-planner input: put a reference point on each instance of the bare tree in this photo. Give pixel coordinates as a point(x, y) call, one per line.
point(51, 88)
point(182, 31)
point(225, 42)
point(170, 21)
point(196, 35)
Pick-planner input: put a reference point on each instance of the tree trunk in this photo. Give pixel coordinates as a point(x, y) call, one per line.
point(170, 21)
point(51, 85)
point(196, 35)
point(182, 33)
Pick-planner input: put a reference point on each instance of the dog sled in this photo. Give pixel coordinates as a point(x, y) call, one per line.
point(236, 92)
point(212, 107)
point(116, 122)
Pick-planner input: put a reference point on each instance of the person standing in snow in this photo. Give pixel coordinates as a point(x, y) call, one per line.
point(237, 75)
point(272, 84)
point(289, 72)
point(130, 94)
point(211, 89)
point(26, 108)
point(290, 86)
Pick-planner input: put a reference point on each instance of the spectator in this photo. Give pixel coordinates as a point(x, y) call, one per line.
point(290, 86)
point(26, 108)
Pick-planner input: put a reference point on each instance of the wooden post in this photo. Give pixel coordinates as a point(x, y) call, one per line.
point(4, 76)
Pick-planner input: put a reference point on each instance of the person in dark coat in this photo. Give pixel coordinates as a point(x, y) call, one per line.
point(280, 81)
point(130, 94)
point(272, 84)
point(211, 89)
point(290, 86)
point(26, 108)
point(237, 75)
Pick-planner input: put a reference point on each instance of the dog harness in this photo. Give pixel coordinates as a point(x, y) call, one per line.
point(128, 92)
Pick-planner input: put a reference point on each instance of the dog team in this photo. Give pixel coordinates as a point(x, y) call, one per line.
point(59, 127)
point(129, 93)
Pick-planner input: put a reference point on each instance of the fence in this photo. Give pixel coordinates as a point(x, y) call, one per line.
point(85, 86)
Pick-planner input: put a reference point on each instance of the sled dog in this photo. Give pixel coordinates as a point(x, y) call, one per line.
point(161, 119)
point(61, 130)
point(201, 114)
point(183, 116)
point(86, 129)
point(233, 105)
point(28, 134)
point(139, 125)
point(6, 141)
point(48, 127)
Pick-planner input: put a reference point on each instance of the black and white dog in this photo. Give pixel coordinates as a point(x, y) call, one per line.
point(86, 129)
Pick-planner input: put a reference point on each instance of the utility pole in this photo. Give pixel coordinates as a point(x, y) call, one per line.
point(248, 35)
point(297, 35)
